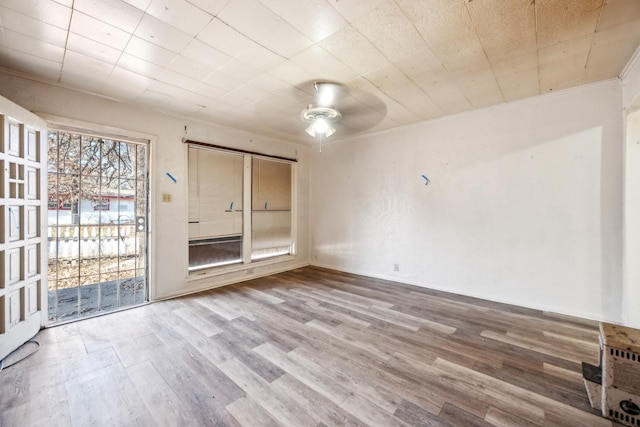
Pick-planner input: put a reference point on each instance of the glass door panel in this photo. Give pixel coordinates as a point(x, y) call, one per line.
point(97, 225)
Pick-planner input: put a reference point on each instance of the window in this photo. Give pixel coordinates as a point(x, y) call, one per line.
point(58, 204)
point(100, 204)
point(270, 208)
point(221, 230)
point(215, 208)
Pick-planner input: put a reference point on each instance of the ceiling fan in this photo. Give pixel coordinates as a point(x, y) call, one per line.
point(335, 107)
point(322, 115)
point(346, 109)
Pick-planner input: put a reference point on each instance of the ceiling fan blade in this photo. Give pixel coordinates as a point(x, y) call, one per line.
point(362, 111)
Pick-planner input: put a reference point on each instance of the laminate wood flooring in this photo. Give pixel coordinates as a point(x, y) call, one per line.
point(309, 347)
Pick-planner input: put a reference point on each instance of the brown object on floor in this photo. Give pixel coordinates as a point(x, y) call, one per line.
point(620, 373)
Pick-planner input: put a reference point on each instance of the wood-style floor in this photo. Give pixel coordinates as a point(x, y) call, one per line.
point(310, 347)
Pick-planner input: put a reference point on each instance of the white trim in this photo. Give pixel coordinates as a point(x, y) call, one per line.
point(635, 59)
point(630, 76)
point(247, 183)
point(213, 272)
point(237, 278)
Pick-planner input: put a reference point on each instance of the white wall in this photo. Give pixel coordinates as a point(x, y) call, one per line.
point(631, 254)
point(169, 220)
point(524, 203)
point(631, 288)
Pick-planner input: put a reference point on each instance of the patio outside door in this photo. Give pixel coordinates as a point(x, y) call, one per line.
point(97, 224)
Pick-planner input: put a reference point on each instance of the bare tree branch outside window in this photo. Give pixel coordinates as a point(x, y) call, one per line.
point(84, 167)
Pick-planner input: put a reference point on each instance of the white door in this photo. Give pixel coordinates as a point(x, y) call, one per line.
point(23, 244)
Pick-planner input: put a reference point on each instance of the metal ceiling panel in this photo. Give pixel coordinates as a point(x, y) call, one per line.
point(251, 64)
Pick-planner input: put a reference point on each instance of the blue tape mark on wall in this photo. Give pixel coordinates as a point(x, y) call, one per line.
point(426, 180)
point(172, 178)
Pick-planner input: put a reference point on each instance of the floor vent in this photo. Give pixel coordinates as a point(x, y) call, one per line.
point(625, 355)
point(629, 420)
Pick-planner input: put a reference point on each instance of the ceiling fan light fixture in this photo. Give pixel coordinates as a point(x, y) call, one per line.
point(320, 125)
point(320, 119)
point(330, 131)
point(311, 131)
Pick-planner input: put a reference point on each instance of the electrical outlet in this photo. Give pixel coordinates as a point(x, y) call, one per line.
point(396, 267)
point(250, 271)
point(166, 198)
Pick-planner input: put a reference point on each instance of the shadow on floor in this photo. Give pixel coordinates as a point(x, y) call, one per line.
point(87, 300)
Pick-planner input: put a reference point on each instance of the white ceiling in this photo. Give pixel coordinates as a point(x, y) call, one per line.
point(251, 64)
